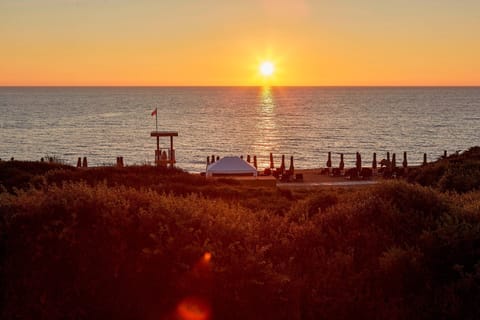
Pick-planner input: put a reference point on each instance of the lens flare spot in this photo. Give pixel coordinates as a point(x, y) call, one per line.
point(193, 308)
point(207, 257)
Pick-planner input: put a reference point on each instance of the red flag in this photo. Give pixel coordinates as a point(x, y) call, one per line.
point(154, 112)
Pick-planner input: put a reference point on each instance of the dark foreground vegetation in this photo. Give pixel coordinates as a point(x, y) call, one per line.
point(139, 243)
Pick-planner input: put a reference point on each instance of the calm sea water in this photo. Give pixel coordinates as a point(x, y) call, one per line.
point(103, 123)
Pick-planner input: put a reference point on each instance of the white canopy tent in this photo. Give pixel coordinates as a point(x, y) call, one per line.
point(231, 166)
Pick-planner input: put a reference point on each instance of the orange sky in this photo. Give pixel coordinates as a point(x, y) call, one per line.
point(207, 42)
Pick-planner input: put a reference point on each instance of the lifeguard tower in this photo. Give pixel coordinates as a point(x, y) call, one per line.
point(162, 158)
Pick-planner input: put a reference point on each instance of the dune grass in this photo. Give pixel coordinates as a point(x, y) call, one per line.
point(134, 243)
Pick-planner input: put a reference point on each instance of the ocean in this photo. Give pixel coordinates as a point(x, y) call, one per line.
point(102, 123)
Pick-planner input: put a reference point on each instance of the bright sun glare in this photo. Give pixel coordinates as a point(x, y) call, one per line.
point(267, 68)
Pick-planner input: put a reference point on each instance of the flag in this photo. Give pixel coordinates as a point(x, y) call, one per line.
point(154, 112)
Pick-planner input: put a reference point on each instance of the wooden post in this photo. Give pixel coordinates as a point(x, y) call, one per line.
point(159, 153)
point(282, 165)
point(172, 156)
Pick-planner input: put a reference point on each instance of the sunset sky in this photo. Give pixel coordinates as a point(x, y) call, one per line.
point(213, 42)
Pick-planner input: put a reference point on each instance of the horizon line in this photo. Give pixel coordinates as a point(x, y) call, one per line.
point(240, 86)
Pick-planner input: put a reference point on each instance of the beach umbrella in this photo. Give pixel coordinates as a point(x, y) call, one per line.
point(394, 162)
point(255, 162)
point(329, 161)
point(248, 158)
point(271, 161)
point(282, 166)
point(405, 163)
point(85, 162)
point(388, 156)
point(424, 159)
point(79, 162)
point(359, 162)
point(374, 162)
point(342, 164)
point(208, 161)
point(213, 158)
point(291, 169)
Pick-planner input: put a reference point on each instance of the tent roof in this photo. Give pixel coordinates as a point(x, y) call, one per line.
point(231, 165)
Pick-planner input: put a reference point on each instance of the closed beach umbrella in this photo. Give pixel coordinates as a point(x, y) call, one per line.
point(248, 158)
point(291, 169)
point(405, 163)
point(424, 159)
point(255, 162)
point(329, 161)
point(342, 164)
point(374, 162)
point(388, 156)
point(85, 162)
point(394, 162)
point(208, 161)
point(271, 161)
point(79, 162)
point(359, 162)
point(282, 166)
point(213, 158)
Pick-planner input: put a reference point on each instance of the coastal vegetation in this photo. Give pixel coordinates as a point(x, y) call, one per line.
point(150, 243)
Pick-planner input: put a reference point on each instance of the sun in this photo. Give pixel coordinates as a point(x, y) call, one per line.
point(267, 68)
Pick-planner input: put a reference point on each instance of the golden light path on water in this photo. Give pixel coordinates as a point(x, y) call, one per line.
point(266, 126)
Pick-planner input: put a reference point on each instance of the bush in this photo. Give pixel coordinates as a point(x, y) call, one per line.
point(459, 173)
point(87, 244)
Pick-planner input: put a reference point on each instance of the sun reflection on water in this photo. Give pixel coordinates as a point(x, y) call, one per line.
point(266, 127)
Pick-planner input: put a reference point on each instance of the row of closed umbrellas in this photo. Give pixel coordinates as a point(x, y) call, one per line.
point(388, 162)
